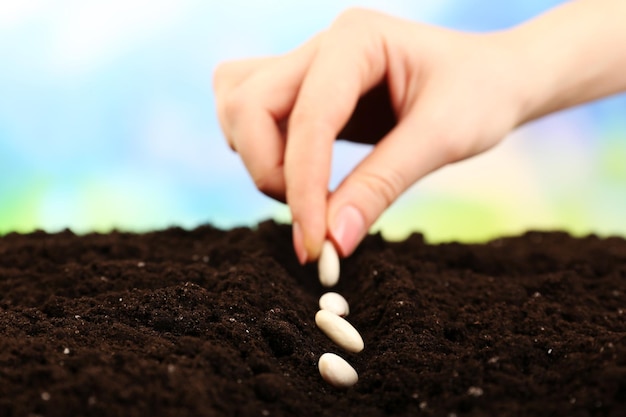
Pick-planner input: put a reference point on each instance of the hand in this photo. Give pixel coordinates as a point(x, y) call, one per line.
point(452, 94)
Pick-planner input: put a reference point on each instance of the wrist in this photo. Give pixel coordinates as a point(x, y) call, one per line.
point(570, 55)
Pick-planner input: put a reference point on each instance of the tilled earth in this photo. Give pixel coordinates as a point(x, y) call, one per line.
point(221, 323)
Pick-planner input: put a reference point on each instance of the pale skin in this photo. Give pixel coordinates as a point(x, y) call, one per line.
point(449, 95)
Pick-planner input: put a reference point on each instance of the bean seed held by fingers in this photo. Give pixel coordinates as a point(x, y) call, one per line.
point(336, 371)
point(328, 265)
point(335, 303)
point(339, 331)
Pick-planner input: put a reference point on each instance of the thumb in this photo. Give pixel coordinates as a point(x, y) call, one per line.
point(402, 157)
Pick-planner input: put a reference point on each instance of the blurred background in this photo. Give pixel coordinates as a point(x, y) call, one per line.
point(107, 120)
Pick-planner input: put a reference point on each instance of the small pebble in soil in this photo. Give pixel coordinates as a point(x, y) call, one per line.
point(335, 303)
point(328, 265)
point(339, 331)
point(336, 371)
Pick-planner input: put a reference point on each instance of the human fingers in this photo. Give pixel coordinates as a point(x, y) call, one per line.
point(410, 151)
point(424, 140)
point(228, 76)
point(254, 114)
point(349, 61)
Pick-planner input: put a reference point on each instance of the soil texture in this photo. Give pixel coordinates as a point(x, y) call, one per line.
point(210, 322)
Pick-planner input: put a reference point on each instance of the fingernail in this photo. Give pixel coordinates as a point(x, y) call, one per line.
point(298, 243)
point(348, 229)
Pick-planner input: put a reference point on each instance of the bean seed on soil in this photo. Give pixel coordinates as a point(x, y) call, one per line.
point(328, 265)
point(339, 331)
point(335, 303)
point(336, 371)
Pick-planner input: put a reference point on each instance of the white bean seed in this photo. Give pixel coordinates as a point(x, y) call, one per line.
point(328, 265)
point(336, 371)
point(339, 331)
point(335, 303)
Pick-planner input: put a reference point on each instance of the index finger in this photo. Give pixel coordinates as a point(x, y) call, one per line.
point(349, 62)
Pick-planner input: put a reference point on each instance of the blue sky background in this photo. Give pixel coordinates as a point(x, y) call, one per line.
point(107, 120)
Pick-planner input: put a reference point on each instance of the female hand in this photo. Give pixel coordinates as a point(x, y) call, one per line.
point(427, 97)
point(453, 95)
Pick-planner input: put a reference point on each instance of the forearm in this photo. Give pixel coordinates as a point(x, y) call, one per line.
point(572, 54)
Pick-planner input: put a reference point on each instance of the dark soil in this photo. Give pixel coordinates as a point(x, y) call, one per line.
point(221, 323)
